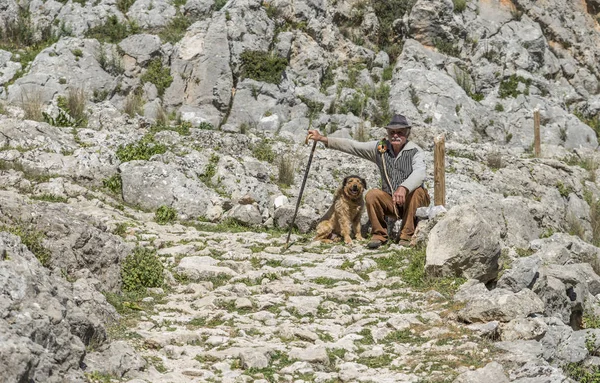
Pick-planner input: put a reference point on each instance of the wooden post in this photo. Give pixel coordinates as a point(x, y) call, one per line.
point(439, 171)
point(537, 146)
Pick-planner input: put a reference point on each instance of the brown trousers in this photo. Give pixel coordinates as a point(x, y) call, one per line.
point(379, 205)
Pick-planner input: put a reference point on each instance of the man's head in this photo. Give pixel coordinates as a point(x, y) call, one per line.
point(398, 130)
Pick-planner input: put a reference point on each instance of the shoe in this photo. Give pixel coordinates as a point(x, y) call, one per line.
point(404, 242)
point(376, 243)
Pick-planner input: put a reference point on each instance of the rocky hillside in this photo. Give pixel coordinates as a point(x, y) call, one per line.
point(151, 153)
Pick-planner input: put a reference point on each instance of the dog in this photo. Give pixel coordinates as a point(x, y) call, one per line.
point(343, 216)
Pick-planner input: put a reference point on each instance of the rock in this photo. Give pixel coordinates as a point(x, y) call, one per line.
point(116, 359)
point(492, 372)
point(463, 244)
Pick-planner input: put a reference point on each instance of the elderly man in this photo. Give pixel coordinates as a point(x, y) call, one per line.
point(401, 164)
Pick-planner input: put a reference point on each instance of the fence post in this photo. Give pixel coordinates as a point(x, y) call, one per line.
point(537, 146)
point(439, 171)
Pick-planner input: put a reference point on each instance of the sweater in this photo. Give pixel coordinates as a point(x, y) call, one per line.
point(406, 169)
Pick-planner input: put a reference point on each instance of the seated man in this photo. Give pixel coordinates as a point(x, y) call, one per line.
point(402, 167)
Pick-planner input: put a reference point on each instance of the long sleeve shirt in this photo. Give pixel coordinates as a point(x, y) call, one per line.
point(406, 169)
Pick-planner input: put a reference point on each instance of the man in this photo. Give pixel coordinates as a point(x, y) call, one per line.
point(402, 167)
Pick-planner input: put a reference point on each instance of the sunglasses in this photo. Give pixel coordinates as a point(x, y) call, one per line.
point(399, 132)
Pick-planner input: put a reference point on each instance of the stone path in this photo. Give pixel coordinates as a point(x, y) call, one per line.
point(240, 309)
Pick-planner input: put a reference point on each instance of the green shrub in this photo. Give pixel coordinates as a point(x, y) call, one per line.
point(211, 169)
point(262, 66)
point(263, 151)
point(314, 107)
point(175, 30)
point(286, 168)
point(328, 78)
point(508, 87)
point(157, 75)
point(124, 5)
point(499, 107)
point(141, 150)
point(32, 239)
point(141, 269)
point(219, 4)
point(165, 214)
point(112, 31)
point(387, 12)
point(459, 5)
point(113, 183)
point(446, 47)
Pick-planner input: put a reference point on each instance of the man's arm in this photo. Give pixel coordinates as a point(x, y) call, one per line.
point(366, 150)
point(418, 174)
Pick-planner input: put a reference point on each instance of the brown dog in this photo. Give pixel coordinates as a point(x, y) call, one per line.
point(343, 216)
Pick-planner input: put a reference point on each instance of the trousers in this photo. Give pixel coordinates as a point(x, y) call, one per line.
point(379, 205)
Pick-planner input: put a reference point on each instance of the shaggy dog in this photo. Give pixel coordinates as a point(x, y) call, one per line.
point(344, 215)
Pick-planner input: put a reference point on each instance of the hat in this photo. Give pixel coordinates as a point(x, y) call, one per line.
point(398, 122)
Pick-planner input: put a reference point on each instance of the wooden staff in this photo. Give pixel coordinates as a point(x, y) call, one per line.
point(439, 171)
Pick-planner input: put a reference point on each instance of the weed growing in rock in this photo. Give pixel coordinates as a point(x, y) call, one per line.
point(175, 30)
point(141, 269)
point(165, 214)
point(32, 106)
point(32, 239)
point(459, 5)
point(141, 150)
point(262, 66)
point(211, 169)
point(263, 151)
point(509, 87)
point(50, 198)
point(387, 12)
point(157, 75)
point(124, 5)
point(286, 169)
point(133, 103)
point(112, 31)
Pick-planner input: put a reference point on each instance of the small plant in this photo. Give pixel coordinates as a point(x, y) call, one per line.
point(113, 183)
point(414, 98)
point(314, 107)
point(562, 133)
point(32, 106)
point(499, 107)
point(494, 160)
point(286, 169)
point(165, 214)
point(509, 87)
point(157, 75)
point(361, 134)
point(211, 169)
point(219, 4)
point(262, 66)
point(112, 31)
point(459, 5)
point(141, 269)
point(133, 104)
point(33, 240)
point(124, 5)
point(175, 30)
point(446, 47)
point(141, 150)
point(263, 151)
point(328, 77)
point(387, 73)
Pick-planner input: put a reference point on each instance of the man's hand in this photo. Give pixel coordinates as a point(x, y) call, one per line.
point(399, 196)
point(316, 136)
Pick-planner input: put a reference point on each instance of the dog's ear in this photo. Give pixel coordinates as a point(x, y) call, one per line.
point(345, 181)
point(364, 182)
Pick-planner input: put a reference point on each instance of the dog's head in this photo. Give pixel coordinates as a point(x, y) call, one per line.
point(354, 186)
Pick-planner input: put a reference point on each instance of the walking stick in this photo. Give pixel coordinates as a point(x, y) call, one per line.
point(312, 152)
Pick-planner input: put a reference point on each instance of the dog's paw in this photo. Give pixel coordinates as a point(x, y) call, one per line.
point(348, 241)
point(359, 238)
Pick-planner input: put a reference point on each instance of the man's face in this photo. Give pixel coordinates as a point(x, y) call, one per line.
point(399, 135)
